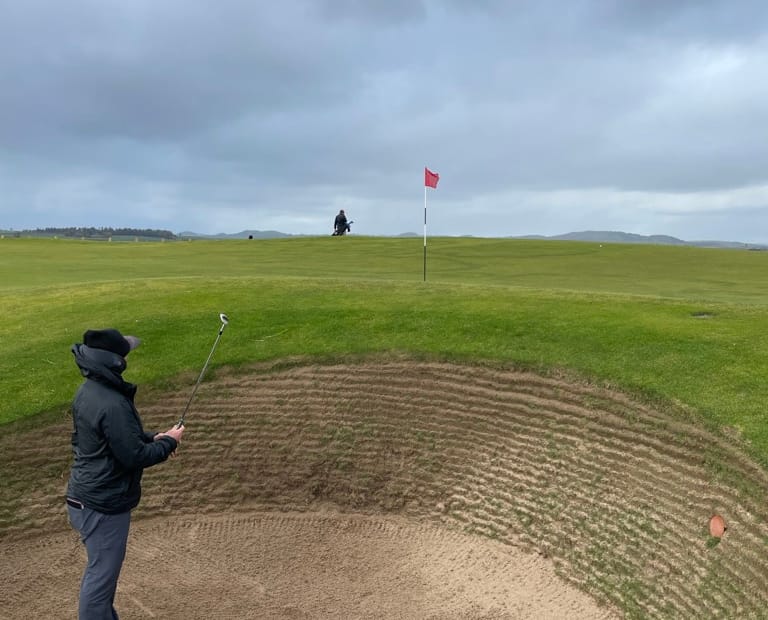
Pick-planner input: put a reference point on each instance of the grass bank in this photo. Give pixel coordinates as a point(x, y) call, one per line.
point(682, 325)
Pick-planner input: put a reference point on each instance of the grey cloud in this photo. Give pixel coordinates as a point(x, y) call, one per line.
point(377, 12)
point(278, 111)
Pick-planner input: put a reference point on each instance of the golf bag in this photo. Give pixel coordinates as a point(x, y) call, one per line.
point(343, 230)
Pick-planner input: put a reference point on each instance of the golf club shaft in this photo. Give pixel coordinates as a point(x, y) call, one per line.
point(202, 373)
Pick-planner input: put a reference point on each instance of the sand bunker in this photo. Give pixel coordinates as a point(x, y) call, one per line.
point(299, 566)
point(400, 489)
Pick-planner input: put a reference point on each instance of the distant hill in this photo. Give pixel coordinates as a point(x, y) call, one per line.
point(594, 236)
point(611, 236)
point(244, 234)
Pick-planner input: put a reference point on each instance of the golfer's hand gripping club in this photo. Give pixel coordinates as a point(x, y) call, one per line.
point(224, 322)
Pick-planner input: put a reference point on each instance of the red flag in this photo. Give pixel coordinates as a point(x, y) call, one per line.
point(430, 178)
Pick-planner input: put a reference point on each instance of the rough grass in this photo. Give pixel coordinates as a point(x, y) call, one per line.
point(652, 347)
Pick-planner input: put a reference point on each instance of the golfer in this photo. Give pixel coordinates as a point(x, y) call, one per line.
point(111, 450)
point(340, 224)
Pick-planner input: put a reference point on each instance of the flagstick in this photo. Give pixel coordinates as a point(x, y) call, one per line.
point(425, 233)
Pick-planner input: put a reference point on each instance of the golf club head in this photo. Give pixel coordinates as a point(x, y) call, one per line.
point(224, 318)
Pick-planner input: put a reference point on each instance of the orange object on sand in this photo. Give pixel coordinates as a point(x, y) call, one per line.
point(716, 526)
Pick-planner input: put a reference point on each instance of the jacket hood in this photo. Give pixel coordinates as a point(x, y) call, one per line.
point(102, 366)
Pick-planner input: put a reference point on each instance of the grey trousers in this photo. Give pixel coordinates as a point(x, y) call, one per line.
point(105, 538)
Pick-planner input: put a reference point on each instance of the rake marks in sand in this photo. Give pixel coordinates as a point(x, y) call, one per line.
point(617, 496)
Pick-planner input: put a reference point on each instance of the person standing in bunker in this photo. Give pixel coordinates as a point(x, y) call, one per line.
point(340, 224)
point(111, 450)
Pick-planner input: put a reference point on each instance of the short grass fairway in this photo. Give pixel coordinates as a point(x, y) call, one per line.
point(540, 429)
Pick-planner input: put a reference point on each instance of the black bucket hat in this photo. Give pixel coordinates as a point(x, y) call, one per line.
point(110, 340)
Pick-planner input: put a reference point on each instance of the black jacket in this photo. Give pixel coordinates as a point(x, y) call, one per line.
point(110, 446)
point(340, 223)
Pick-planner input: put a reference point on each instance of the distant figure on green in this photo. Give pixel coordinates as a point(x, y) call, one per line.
point(341, 225)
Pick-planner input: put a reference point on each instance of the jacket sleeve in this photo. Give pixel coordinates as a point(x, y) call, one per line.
point(131, 446)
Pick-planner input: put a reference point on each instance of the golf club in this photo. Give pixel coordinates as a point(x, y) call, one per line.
point(224, 323)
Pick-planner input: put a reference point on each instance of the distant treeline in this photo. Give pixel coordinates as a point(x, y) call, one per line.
point(92, 232)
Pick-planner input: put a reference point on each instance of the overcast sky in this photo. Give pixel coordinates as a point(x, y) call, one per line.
point(541, 117)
